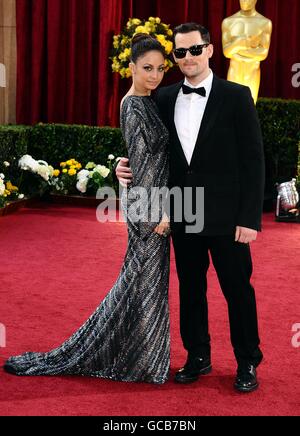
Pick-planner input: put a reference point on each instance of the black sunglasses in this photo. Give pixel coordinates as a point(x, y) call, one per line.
point(195, 50)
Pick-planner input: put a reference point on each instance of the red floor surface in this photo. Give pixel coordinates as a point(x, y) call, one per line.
point(57, 263)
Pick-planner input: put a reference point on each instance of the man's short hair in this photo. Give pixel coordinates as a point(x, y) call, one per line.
point(192, 27)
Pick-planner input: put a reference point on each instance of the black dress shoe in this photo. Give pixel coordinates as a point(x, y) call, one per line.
point(193, 368)
point(246, 379)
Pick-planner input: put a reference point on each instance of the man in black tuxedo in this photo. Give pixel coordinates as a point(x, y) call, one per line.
point(215, 143)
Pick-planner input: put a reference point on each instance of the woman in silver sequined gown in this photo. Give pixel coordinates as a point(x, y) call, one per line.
point(127, 337)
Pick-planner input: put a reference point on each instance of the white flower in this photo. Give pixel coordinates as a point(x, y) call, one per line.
point(102, 170)
point(39, 167)
point(2, 187)
point(90, 165)
point(21, 196)
point(44, 172)
point(28, 163)
point(83, 174)
point(82, 185)
point(6, 164)
point(118, 158)
point(43, 165)
point(2, 176)
point(83, 178)
point(111, 157)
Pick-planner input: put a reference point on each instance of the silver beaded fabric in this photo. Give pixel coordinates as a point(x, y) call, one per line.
point(127, 337)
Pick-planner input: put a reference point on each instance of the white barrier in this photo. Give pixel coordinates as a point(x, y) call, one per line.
point(2, 76)
point(2, 336)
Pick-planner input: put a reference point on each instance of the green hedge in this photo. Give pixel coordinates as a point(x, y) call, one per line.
point(55, 143)
point(280, 121)
point(13, 145)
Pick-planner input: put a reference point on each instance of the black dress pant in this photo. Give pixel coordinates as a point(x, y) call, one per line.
point(233, 264)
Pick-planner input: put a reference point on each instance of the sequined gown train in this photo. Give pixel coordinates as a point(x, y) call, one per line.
point(127, 337)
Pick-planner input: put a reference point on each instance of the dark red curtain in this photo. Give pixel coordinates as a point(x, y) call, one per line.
point(64, 73)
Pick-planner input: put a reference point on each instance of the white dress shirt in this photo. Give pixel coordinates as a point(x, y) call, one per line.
point(189, 111)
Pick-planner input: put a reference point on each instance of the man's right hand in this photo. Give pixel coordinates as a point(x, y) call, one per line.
point(123, 172)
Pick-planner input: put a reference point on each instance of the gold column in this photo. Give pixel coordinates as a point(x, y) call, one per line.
point(8, 57)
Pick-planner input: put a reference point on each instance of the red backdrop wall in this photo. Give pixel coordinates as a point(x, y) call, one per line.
point(64, 74)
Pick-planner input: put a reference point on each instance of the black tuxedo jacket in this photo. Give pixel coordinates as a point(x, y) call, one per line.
point(228, 159)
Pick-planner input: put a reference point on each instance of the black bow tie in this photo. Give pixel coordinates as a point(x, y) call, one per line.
point(189, 90)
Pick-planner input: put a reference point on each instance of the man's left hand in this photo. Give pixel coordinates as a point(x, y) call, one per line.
point(245, 235)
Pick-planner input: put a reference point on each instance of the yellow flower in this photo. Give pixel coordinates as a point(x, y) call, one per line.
point(10, 187)
point(78, 166)
point(72, 172)
point(123, 72)
point(125, 54)
point(134, 26)
point(69, 162)
point(65, 171)
point(169, 47)
point(63, 164)
point(116, 66)
point(56, 173)
point(136, 21)
point(116, 41)
point(124, 41)
point(150, 27)
point(141, 29)
point(128, 73)
point(161, 39)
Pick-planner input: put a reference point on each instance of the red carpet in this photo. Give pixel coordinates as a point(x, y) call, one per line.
point(57, 263)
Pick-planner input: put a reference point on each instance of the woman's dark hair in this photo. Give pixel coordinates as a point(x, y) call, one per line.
point(142, 43)
point(192, 27)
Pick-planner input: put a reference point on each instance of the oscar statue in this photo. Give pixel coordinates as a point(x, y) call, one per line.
point(246, 38)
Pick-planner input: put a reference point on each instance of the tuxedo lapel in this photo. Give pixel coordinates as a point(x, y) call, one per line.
point(210, 114)
point(171, 115)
